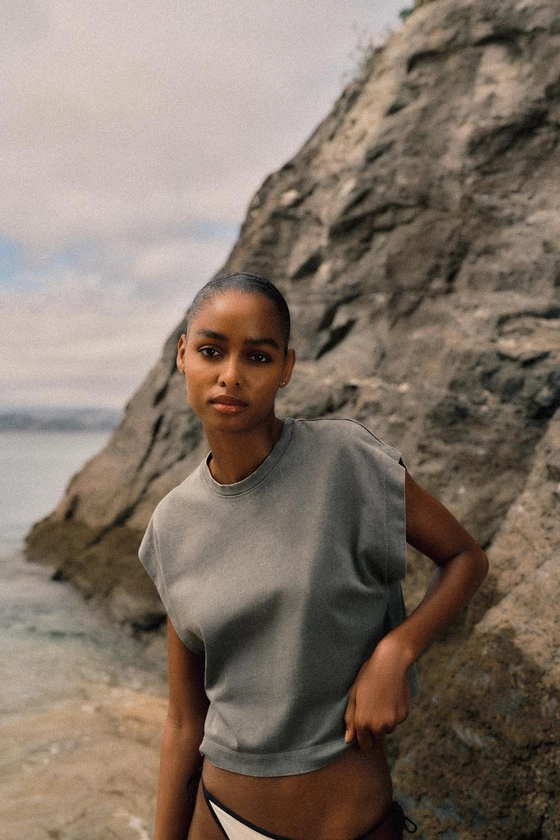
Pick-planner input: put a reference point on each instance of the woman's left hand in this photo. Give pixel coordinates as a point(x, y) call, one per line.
point(380, 697)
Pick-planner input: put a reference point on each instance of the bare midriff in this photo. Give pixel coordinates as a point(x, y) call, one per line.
point(342, 800)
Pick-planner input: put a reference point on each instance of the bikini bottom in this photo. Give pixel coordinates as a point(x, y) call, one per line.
point(235, 827)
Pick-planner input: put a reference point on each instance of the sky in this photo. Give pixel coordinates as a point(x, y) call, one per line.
point(132, 138)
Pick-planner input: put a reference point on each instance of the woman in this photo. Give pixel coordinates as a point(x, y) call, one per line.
point(279, 561)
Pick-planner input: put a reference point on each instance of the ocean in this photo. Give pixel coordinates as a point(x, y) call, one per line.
point(72, 681)
point(35, 468)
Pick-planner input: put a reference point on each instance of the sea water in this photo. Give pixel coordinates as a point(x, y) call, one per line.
point(50, 638)
point(60, 657)
point(35, 468)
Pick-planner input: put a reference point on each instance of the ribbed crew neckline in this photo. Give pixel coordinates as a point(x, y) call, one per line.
point(256, 477)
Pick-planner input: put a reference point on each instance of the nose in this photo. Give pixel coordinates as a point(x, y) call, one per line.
point(230, 376)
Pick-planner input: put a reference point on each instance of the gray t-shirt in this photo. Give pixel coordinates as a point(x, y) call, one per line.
point(285, 581)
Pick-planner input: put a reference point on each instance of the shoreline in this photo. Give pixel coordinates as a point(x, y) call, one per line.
point(82, 707)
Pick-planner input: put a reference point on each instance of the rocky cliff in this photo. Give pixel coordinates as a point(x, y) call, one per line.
point(417, 238)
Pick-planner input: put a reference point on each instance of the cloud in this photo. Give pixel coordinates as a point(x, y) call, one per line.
point(70, 337)
point(134, 136)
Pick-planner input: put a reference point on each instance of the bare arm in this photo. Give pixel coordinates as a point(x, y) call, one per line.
point(182, 736)
point(379, 699)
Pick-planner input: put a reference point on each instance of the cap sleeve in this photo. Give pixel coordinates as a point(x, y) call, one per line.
point(149, 555)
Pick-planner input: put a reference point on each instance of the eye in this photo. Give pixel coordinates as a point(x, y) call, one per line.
point(209, 352)
point(260, 358)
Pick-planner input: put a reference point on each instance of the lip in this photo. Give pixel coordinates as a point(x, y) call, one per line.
point(228, 405)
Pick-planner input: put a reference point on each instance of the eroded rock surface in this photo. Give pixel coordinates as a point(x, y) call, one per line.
point(417, 238)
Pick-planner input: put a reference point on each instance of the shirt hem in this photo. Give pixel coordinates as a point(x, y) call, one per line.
point(292, 763)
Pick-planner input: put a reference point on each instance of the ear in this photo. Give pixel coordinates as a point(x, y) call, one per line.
point(181, 347)
point(288, 367)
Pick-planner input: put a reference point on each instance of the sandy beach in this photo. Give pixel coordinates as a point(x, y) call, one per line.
point(81, 711)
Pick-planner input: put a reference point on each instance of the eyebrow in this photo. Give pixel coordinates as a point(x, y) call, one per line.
point(253, 342)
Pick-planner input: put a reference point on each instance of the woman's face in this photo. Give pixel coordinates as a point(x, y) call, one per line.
point(234, 360)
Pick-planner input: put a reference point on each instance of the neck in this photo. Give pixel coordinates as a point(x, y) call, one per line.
point(236, 455)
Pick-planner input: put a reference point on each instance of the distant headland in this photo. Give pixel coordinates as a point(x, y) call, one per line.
point(58, 419)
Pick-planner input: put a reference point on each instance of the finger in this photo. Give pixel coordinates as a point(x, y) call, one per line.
point(350, 734)
point(349, 720)
point(401, 715)
point(392, 722)
point(364, 736)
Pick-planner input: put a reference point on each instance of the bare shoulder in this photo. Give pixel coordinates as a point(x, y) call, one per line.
point(431, 527)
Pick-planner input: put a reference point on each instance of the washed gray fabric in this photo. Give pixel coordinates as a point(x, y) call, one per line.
point(286, 581)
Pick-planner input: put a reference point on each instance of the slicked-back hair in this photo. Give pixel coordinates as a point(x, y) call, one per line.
point(240, 281)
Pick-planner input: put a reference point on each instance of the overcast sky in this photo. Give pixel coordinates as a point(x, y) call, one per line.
point(132, 138)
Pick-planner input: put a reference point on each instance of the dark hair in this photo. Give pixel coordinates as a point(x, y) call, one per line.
point(240, 281)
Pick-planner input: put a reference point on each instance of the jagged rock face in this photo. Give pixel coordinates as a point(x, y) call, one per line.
point(417, 238)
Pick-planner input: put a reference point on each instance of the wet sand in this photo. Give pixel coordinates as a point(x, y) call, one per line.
point(81, 712)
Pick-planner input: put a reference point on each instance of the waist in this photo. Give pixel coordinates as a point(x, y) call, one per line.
point(347, 796)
